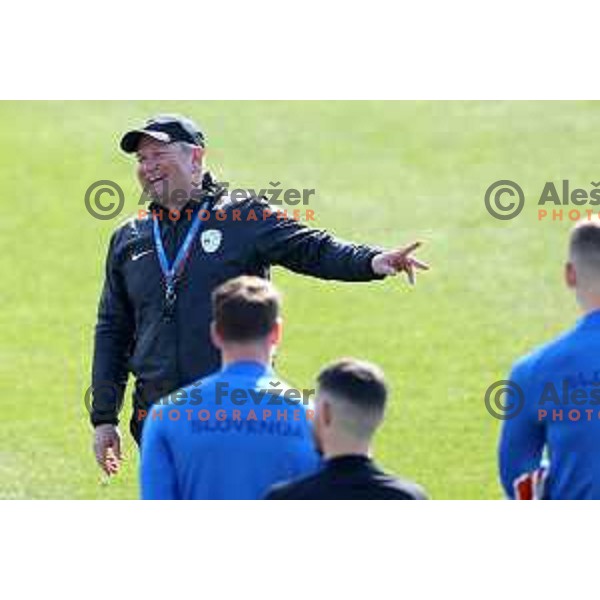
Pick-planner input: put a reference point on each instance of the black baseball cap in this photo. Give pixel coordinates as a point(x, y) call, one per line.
point(164, 128)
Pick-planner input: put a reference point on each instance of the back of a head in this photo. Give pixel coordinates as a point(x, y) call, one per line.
point(357, 392)
point(584, 253)
point(245, 309)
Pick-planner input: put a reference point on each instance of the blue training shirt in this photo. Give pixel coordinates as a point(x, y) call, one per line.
point(228, 436)
point(560, 382)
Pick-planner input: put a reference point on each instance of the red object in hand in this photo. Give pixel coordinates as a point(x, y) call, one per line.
point(530, 486)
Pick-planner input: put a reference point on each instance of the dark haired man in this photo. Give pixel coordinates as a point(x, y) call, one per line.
point(350, 406)
point(240, 430)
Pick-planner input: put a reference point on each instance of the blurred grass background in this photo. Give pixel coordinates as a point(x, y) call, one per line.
point(385, 173)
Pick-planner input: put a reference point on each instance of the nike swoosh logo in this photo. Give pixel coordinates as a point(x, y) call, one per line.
point(137, 256)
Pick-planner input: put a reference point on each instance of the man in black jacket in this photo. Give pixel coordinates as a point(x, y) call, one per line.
point(350, 405)
point(154, 312)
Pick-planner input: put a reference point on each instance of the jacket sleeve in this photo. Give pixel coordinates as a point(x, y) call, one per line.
point(522, 439)
point(113, 342)
point(315, 252)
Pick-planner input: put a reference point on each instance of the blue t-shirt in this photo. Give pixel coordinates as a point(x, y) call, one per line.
point(228, 436)
point(560, 384)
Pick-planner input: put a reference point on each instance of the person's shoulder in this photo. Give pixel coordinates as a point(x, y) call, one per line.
point(296, 489)
point(134, 224)
point(544, 355)
point(397, 487)
point(243, 200)
point(319, 487)
point(129, 233)
point(408, 490)
point(285, 394)
point(206, 386)
point(211, 379)
point(252, 208)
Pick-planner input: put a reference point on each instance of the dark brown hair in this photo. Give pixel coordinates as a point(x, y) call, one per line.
point(245, 309)
point(358, 382)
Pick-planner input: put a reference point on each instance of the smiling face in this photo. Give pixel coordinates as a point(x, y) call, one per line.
point(168, 171)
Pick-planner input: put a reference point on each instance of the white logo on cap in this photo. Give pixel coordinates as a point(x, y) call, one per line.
point(211, 240)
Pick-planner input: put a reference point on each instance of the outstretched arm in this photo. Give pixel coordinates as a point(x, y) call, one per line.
point(316, 252)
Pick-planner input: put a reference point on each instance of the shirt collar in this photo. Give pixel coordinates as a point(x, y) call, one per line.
point(590, 319)
point(246, 367)
point(349, 461)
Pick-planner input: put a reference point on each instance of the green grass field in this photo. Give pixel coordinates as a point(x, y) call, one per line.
point(385, 173)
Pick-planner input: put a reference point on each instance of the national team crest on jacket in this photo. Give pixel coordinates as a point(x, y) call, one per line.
point(211, 240)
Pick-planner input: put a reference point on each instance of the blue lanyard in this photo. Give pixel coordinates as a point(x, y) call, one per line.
point(172, 272)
